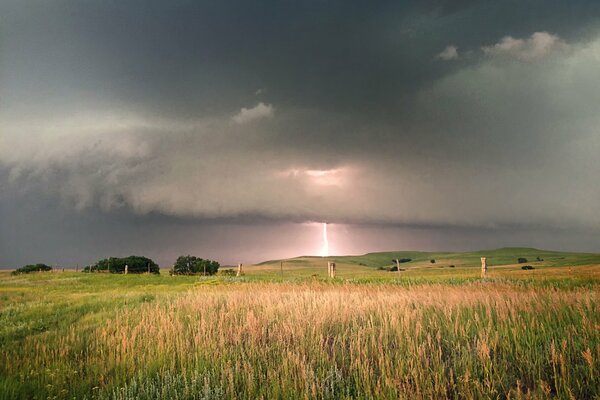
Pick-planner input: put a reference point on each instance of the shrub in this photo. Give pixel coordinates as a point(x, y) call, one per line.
point(526, 267)
point(538, 258)
point(451, 266)
point(522, 260)
point(432, 261)
point(391, 269)
point(227, 272)
point(26, 269)
point(135, 265)
point(191, 265)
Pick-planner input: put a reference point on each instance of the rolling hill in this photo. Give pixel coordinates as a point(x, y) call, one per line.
point(501, 261)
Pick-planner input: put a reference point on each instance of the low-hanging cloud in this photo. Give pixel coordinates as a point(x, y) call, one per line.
point(259, 111)
point(539, 45)
point(449, 53)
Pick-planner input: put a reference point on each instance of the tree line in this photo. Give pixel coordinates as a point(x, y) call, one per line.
point(184, 265)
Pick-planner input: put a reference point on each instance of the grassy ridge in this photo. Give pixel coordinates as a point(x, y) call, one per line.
point(428, 332)
point(496, 257)
point(448, 265)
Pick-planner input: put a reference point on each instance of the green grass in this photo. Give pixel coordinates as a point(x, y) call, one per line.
point(430, 331)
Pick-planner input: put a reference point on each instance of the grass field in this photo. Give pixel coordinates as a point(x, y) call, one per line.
point(430, 331)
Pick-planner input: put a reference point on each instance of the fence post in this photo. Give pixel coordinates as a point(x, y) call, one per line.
point(239, 271)
point(483, 267)
point(331, 269)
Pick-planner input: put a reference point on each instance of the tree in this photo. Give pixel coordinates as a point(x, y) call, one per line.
point(32, 268)
point(135, 265)
point(522, 260)
point(191, 265)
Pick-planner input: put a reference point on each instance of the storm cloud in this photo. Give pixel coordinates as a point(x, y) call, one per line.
point(348, 113)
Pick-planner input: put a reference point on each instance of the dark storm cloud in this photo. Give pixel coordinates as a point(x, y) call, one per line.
point(298, 111)
point(189, 57)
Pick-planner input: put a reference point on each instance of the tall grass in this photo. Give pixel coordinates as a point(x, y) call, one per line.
point(316, 340)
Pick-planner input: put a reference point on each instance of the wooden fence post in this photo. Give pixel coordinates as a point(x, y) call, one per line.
point(331, 269)
point(239, 271)
point(483, 267)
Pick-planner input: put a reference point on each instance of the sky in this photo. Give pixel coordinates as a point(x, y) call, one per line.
point(232, 130)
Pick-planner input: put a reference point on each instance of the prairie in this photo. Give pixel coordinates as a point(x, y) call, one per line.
point(430, 331)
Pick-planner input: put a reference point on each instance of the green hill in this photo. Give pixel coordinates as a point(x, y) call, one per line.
point(447, 264)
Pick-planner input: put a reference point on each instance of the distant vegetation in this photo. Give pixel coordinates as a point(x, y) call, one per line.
point(227, 272)
point(521, 260)
point(32, 268)
point(391, 269)
point(135, 265)
point(527, 267)
point(191, 265)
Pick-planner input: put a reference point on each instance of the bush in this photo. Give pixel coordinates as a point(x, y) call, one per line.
point(539, 259)
point(135, 265)
point(522, 260)
point(391, 269)
point(526, 267)
point(432, 261)
point(26, 269)
point(452, 266)
point(191, 265)
point(228, 272)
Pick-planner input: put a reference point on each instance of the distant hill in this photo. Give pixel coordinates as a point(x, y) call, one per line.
point(364, 265)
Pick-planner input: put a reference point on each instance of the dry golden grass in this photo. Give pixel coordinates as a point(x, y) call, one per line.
point(317, 340)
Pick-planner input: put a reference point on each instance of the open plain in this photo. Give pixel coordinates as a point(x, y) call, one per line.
point(429, 331)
